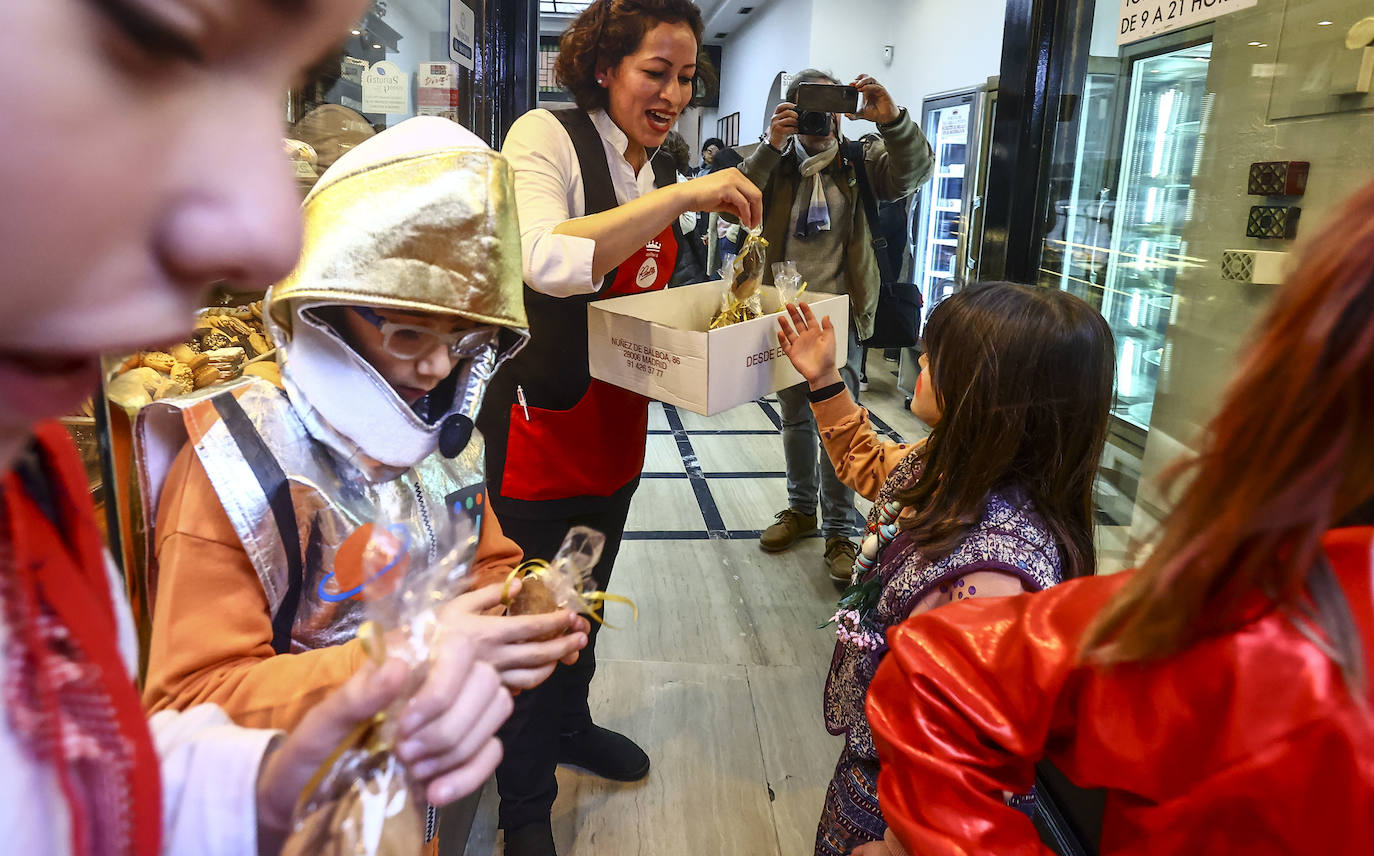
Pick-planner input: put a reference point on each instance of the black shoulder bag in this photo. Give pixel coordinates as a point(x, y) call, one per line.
point(897, 322)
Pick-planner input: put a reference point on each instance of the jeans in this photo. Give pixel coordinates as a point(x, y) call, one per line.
point(810, 475)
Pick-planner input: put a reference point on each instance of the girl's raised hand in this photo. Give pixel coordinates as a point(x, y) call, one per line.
point(809, 345)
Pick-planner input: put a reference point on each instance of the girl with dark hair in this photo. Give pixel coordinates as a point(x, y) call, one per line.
point(1220, 694)
point(1016, 383)
point(598, 218)
point(109, 254)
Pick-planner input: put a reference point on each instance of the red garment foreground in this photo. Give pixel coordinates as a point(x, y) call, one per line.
point(67, 694)
point(1246, 743)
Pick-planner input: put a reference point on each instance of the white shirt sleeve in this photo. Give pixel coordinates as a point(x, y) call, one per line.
point(209, 765)
point(687, 220)
point(548, 191)
point(209, 781)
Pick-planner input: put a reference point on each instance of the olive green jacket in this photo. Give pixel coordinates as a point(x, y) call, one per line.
point(898, 162)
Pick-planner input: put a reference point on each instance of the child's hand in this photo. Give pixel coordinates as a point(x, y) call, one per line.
point(524, 649)
point(810, 346)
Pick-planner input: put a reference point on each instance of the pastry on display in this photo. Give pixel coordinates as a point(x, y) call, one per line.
point(226, 343)
point(303, 158)
point(268, 370)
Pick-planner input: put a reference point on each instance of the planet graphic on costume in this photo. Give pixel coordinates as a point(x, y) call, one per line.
point(372, 560)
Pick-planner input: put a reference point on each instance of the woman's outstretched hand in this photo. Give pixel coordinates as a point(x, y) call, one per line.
point(728, 191)
point(809, 345)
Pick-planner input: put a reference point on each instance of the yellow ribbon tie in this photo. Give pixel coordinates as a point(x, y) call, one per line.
point(589, 603)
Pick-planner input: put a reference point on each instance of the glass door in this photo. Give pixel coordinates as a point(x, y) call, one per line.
point(1164, 129)
point(940, 220)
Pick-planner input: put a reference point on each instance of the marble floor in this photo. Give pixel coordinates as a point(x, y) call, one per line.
point(720, 680)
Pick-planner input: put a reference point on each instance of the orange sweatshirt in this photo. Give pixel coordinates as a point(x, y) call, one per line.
point(212, 628)
point(863, 461)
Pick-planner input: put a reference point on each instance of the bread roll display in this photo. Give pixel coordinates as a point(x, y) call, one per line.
point(224, 341)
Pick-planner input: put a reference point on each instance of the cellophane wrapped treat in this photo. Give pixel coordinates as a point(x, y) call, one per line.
point(742, 300)
point(788, 282)
point(566, 582)
point(363, 801)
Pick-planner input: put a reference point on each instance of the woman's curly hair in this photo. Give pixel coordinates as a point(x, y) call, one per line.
point(606, 32)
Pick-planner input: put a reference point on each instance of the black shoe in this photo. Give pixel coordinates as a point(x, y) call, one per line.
point(532, 839)
point(604, 753)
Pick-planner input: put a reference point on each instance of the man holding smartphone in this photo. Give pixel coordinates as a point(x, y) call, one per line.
point(813, 215)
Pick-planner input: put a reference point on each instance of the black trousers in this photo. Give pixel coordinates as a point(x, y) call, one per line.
point(525, 779)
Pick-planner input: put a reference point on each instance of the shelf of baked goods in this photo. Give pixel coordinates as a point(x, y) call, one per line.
point(227, 343)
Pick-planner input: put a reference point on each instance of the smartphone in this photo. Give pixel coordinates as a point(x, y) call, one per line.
point(827, 98)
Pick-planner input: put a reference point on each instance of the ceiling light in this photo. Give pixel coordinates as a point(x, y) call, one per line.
point(377, 46)
point(357, 32)
point(1254, 44)
point(1325, 23)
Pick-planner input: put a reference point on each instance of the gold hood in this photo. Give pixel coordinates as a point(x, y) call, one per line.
point(421, 218)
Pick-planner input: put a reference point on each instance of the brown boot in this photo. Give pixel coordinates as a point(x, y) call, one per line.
point(791, 525)
point(839, 559)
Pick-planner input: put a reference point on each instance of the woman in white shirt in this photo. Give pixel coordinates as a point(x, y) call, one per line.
point(596, 214)
point(107, 249)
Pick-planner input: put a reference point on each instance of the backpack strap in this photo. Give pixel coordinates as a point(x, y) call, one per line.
point(853, 151)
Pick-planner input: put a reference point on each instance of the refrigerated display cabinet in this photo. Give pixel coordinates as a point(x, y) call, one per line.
point(946, 229)
point(1166, 115)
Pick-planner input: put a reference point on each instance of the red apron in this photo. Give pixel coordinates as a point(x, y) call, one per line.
point(596, 447)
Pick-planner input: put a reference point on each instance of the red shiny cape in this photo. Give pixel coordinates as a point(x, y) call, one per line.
point(1245, 743)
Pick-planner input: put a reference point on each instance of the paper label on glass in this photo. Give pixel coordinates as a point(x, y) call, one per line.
point(386, 89)
point(462, 33)
point(437, 75)
point(954, 122)
point(1142, 19)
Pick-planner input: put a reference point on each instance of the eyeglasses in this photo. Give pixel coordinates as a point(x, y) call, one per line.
point(412, 341)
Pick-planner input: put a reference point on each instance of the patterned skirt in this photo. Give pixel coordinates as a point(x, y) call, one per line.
point(850, 816)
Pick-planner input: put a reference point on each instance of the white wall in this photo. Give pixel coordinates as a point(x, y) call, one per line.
point(847, 38)
point(938, 46)
point(1106, 19)
point(945, 45)
point(777, 39)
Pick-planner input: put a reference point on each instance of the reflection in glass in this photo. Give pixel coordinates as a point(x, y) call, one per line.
point(1115, 236)
point(1163, 133)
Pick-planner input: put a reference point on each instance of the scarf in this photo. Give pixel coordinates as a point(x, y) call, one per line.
point(67, 694)
point(814, 213)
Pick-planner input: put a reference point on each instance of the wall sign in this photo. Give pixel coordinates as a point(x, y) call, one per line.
point(386, 89)
point(1142, 19)
point(462, 33)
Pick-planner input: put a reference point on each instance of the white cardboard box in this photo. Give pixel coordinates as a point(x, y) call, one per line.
point(657, 344)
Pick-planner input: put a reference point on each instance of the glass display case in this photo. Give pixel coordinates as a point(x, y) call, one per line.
point(1115, 231)
point(942, 210)
point(1165, 119)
